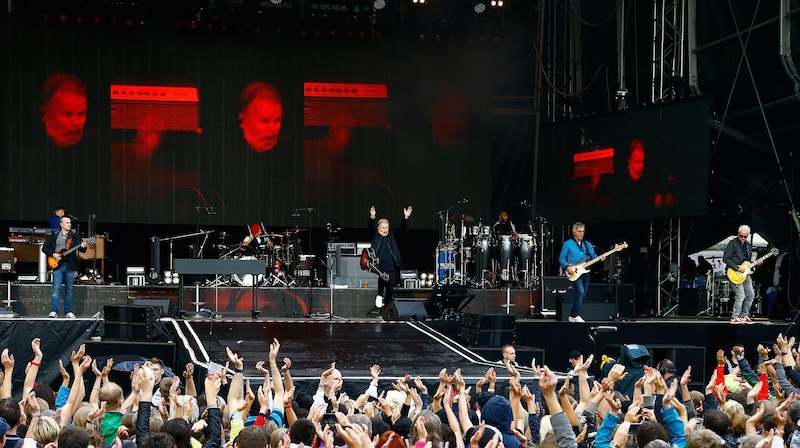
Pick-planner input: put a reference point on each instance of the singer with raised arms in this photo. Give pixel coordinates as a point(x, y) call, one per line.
point(385, 247)
point(575, 251)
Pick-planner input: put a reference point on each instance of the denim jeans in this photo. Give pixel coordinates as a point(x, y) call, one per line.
point(581, 285)
point(743, 296)
point(65, 276)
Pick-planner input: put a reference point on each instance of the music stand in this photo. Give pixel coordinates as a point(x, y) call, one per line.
point(447, 300)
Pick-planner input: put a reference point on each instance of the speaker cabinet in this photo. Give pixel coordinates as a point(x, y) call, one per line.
point(129, 322)
point(487, 330)
point(590, 311)
point(405, 309)
point(692, 301)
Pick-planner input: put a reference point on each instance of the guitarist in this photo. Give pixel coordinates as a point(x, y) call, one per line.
point(385, 247)
point(575, 251)
point(55, 244)
point(737, 252)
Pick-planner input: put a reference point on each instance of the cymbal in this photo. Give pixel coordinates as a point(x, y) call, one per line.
point(272, 235)
point(465, 218)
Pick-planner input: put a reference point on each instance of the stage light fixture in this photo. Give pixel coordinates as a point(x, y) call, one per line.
point(480, 7)
point(379, 4)
point(276, 2)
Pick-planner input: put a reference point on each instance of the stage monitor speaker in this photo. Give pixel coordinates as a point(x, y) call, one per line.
point(405, 309)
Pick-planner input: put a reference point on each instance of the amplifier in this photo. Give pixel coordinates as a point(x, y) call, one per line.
point(345, 248)
point(6, 260)
point(176, 108)
point(364, 104)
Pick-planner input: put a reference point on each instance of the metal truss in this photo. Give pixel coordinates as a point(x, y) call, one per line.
point(674, 65)
point(669, 261)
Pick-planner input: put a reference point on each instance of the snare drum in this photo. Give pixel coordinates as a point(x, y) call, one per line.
point(248, 279)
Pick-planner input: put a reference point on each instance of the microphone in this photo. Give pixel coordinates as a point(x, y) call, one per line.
point(72, 217)
point(603, 329)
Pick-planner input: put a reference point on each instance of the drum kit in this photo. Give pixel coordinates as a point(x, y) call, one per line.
point(472, 255)
point(284, 263)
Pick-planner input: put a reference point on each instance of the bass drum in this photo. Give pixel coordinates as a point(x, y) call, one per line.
point(248, 279)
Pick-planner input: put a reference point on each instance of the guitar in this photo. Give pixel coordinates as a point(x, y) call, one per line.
point(580, 268)
point(54, 263)
point(737, 278)
point(369, 262)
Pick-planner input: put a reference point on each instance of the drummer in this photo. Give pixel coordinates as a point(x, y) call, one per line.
point(257, 240)
point(504, 226)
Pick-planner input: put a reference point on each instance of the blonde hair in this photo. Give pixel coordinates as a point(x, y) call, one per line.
point(81, 417)
point(111, 393)
point(44, 430)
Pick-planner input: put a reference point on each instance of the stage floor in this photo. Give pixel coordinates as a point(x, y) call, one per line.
point(399, 347)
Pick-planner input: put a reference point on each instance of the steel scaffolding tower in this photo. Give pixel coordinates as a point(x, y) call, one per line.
point(559, 44)
point(669, 259)
point(673, 62)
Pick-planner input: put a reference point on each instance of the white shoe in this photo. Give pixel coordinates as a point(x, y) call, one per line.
point(52, 314)
point(378, 301)
point(71, 315)
point(578, 319)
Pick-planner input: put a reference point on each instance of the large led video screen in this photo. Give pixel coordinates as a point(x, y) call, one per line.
point(630, 165)
point(144, 125)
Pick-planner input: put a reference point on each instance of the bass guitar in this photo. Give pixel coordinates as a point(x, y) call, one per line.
point(737, 278)
point(369, 262)
point(54, 263)
point(580, 268)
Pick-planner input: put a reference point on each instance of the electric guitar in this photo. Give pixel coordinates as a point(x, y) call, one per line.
point(369, 262)
point(737, 278)
point(54, 263)
point(580, 268)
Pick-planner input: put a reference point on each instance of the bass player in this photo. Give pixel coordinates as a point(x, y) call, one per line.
point(60, 247)
point(575, 251)
point(736, 253)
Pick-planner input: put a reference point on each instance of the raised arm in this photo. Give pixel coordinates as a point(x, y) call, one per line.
point(33, 367)
point(235, 389)
point(8, 368)
point(188, 379)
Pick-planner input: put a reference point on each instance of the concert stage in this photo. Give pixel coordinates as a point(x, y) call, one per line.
point(33, 300)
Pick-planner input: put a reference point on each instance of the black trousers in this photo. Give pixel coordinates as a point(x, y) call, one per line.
point(385, 287)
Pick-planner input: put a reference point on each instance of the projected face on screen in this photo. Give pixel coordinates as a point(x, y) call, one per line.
point(449, 120)
point(261, 115)
point(64, 109)
point(636, 160)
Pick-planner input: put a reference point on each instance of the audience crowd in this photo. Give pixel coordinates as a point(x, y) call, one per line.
point(748, 403)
